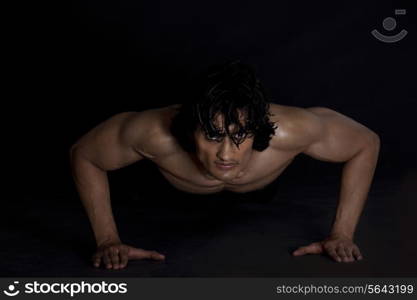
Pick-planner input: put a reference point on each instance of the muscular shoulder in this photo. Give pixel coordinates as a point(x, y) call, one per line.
point(148, 131)
point(125, 138)
point(296, 127)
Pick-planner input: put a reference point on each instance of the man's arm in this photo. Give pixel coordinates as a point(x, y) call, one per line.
point(336, 138)
point(109, 146)
point(93, 188)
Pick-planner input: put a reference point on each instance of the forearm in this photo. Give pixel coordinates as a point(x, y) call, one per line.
point(93, 188)
point(355, 184)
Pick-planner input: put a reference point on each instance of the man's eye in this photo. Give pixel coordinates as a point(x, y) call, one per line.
point(213, 137)
point(239, 135)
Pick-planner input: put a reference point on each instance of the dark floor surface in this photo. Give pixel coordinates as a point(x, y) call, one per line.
point(222, 235)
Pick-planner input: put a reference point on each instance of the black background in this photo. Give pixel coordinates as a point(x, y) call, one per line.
point(77, 63)
point(87, 61)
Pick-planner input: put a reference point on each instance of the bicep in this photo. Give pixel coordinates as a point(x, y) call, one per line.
point(338, 138)
point(109, 145)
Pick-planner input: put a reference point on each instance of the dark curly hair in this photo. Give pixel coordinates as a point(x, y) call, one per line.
point(225, 89)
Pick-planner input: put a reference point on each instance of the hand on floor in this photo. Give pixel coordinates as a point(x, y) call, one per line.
point(116, 255)
point(341, 249)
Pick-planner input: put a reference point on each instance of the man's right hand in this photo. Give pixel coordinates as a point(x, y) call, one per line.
point(116, 255)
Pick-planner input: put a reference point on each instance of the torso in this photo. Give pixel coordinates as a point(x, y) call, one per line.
point(182, 170)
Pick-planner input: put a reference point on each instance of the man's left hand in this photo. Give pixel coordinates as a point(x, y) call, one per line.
point(340, 248)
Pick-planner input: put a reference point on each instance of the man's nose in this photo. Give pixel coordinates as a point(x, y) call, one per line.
point(226, 150)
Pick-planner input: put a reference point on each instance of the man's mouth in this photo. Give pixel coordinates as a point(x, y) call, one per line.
point(225, 165)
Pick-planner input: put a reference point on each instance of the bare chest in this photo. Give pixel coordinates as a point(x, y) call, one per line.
point(264, 167)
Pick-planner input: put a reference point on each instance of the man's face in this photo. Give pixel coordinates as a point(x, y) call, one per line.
point(221, 158)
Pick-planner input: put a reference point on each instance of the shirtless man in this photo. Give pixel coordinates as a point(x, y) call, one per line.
point(228, 138)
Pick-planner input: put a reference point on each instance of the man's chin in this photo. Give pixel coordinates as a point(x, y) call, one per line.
point(224, 175)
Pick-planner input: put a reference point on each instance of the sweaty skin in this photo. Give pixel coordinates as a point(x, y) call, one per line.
point(218, 165)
